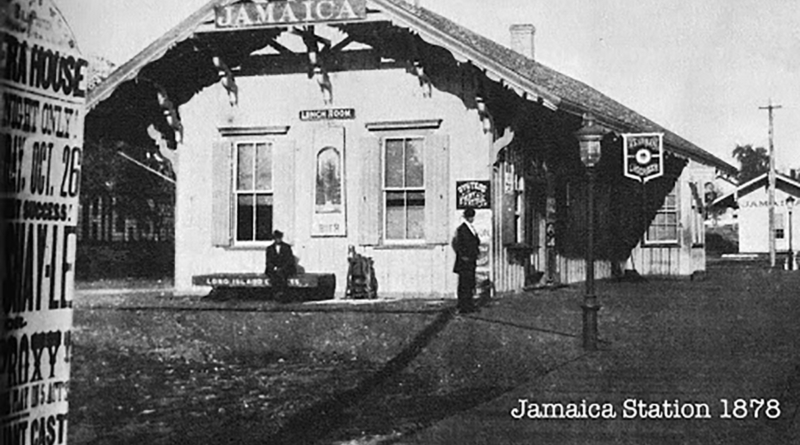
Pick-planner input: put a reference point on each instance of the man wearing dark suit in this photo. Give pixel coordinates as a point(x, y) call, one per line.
point(466, 244)
point(280, 264)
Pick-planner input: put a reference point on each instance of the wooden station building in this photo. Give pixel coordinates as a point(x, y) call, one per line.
point(751, 199)
point(371, 123)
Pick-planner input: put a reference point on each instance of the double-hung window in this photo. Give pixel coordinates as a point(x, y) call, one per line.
point(253, 193)
point(404, 189)
point(514, 208)
point(664, 227)
point(405, 185)
point(780, 231)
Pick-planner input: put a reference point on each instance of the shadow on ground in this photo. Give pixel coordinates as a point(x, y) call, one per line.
point(167, 377)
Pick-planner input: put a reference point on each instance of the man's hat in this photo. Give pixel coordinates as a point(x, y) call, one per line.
point(469, 212)
point(277, 234)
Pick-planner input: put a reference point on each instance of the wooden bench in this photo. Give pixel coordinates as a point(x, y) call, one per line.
point(301, 287)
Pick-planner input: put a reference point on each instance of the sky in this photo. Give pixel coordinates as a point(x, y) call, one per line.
point(700, 68)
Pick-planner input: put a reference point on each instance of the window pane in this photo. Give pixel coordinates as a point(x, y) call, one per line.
point(395, 215)
point(263, 166)
point(329, 180)
point(416, 215)
point(244, 217)
point(394, 163)
point(263, 217)
point(244, 167)
point(670, 201)
point(414, 165)
point(670, 233)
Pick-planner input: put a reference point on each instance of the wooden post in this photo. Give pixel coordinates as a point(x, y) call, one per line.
point(771, 178)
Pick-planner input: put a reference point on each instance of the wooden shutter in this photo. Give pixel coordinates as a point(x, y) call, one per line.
point(221, 211)
point(369, 197)
point(283, 187)
point(509, 205)
point(437, 190)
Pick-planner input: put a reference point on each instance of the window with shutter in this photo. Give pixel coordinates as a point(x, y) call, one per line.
point(369, 207)
point(664, 228)
point(780, 230)
point(252, 196)
point(404, 189)
point(437, 189)
point(514, 207)
point(284, 178)
point(405, 199)
point(221, 169)
point(248, 168)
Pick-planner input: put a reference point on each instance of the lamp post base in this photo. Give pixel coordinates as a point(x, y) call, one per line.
point(590, 309)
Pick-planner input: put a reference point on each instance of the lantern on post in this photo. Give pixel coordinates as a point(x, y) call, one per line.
point(589, 137)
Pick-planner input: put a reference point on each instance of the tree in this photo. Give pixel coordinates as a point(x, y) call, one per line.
point(752, 162)
point(713, 212)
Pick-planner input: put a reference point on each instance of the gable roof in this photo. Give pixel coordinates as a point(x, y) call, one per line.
point(782, 182)
point(527, 77)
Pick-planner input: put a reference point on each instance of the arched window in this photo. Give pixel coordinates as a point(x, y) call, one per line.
point(328, 197)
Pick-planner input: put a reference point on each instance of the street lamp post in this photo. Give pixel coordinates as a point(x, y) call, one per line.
point(589, 136)
point(789, 206)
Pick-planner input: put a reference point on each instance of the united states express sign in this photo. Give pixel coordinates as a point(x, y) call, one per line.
point(643, 156)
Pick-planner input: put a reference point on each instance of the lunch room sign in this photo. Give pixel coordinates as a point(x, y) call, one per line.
point(282, 13)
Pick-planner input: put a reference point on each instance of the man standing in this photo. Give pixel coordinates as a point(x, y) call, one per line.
point(466, 244)
point(280, 264)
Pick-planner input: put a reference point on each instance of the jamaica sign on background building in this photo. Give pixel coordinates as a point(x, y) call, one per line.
point(643, 156)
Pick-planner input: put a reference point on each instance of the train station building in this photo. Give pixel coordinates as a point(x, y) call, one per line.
point(372, 124)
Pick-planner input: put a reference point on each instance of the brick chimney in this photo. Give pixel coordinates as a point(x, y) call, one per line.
point(522, 39)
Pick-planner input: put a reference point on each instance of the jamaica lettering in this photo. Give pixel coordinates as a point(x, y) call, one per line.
point(42, 68)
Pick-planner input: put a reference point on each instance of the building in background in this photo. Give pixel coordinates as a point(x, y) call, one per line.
point(751, 200)
point(371, 123)
point(126, 216)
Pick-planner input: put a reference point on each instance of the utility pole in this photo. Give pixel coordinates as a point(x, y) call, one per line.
point(771, 178)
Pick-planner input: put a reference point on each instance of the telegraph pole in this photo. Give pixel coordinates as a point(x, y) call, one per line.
point(771, 178)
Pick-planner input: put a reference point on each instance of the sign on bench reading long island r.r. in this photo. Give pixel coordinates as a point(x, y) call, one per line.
point(309, 286)
point(252, 280)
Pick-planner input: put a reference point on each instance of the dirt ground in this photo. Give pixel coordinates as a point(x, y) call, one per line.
point(194, 373)
point(151, 368)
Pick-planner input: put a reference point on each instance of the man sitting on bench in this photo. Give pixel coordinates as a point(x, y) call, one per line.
point(280, 265)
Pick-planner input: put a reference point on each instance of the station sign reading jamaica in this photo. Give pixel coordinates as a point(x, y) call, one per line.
point(643, 156)
point(281, 13)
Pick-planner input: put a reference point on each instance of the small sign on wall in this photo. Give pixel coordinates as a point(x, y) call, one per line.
point(328, 114)
point(474, 194)
point(643, 156)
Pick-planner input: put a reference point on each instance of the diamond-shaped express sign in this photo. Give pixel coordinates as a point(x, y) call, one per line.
point(643, 155)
